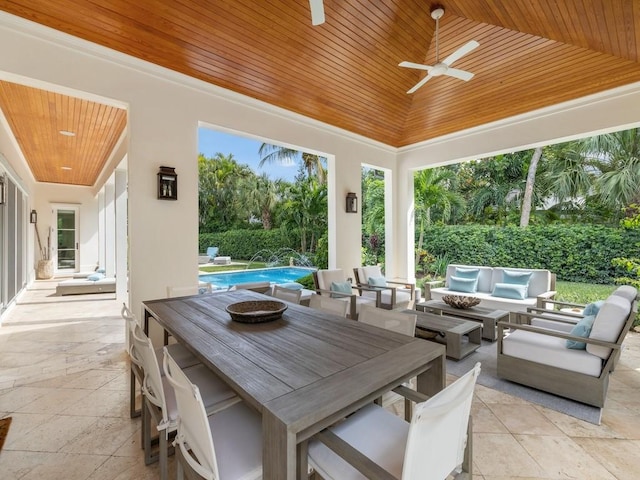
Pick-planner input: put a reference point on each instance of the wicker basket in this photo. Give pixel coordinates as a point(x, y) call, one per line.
point(256, 311)
point(44, 269)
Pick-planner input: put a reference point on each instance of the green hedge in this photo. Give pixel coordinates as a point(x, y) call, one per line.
point(244, 244)
point(575, 253)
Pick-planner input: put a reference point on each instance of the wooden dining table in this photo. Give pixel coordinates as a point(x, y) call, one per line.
point(302, 372)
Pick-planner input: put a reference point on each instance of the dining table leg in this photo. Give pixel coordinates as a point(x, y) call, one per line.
point(433, 380)
point(279, 449)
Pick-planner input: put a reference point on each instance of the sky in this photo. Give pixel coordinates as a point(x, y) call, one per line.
point(244, 150)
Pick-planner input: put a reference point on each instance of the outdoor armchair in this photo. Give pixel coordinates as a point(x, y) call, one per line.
point(334, 284)
point(393, 293)
point(564, 358)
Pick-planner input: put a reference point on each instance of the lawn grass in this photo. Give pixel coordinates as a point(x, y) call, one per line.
point(226, 268)
point(582, 293)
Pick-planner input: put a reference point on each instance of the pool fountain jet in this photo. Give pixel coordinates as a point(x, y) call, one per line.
point(282, 256)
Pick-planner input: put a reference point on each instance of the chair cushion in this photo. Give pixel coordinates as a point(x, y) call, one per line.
point(581, 329)
point(608, 324)
point(459, 284)
point(362, 431)
point(377, 281)
point(552, 351)
point(509, 290)
point(341, 287)
point(592, 308)
point(626, 291)
point(291, 285)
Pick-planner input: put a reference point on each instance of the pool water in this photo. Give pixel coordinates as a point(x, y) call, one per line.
point(273, 275)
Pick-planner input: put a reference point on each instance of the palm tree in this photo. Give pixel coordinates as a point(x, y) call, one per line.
point(313, 164)
point(263, 197)
point(618, 156)
point(434, 186)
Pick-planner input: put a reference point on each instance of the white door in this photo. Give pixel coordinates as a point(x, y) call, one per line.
point(65, 238)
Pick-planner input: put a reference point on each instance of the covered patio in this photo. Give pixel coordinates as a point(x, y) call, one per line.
point(64, 380)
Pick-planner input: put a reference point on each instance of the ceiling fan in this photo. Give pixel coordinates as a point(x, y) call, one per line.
point(317, 11)
point(443, 67)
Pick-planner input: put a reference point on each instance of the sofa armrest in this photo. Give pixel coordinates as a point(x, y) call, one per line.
point(560, 304)
point(553, 333)
point(524, 318)
point(556, 313)
point(430, 285)
point(544, 298)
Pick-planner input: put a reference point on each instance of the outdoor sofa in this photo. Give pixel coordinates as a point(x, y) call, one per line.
point(563, 357)
point(499, 288)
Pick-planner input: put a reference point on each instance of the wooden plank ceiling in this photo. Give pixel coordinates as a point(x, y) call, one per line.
point(63, 139)
point(532, 54)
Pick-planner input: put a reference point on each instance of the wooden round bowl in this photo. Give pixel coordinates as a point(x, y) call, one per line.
point(460, 301)
point(256, 311)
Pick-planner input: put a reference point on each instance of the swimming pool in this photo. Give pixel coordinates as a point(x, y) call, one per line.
point(273, 275)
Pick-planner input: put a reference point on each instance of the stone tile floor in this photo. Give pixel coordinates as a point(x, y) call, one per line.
point(64, 380)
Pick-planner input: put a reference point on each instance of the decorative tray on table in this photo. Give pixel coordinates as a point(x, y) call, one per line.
point(460, 301)
point(256, 311)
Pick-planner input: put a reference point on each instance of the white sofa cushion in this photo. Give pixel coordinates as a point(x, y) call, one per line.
point(608, 324)
point(549, 350)
point(626, 291)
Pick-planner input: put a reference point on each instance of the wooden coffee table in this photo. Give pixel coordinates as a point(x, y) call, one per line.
point(461, 337)
point(487, 316)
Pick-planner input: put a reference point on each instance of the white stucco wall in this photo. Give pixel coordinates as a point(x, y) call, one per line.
point(164, 112)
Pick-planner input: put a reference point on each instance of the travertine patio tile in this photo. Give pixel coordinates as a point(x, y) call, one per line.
point(561, 457)
point(104, 437)
point(617, 456)
point(501, 454)
point(525, 419)
point(65, 466)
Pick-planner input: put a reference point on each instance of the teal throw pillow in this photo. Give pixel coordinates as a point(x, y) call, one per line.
point(581, 329)
point(377, 281)
point(95, 277)
point(592, 308)
point(291, 285)
point(341, 287)
point(466, 285)
point(516, 278)
point(101, 270)
point(467, 273)
point(509, 290)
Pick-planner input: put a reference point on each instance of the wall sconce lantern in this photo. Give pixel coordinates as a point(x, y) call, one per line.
point(3, 193)
point(34, 217)
point(352, 203)
point(167, 184)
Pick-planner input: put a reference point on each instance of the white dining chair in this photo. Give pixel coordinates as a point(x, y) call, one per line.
point(329, 305)
point(159, 399)
point(399, 322)
point(182, 355)
point(223, 446)
point(404, 323)
point(184, 290)
point(431, 447)
point(286, 294)
point(260, 287)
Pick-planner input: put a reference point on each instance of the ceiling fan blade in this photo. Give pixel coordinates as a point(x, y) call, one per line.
point(317, 11)
point(419, 84)
point(419, 66)
point(462, 51)
point(461, 74)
